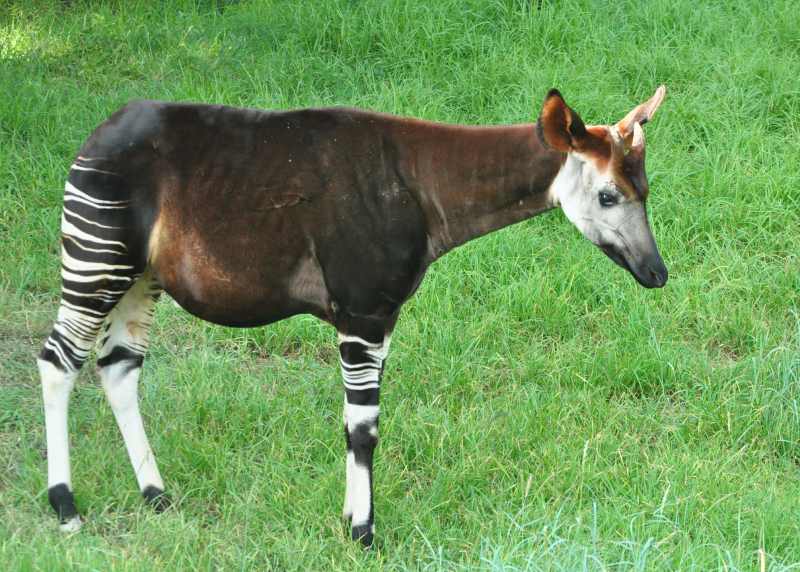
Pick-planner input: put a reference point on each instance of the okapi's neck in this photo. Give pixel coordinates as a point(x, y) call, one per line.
point(474, 180)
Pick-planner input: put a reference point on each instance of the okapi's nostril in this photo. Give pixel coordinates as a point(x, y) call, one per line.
point(659, 275)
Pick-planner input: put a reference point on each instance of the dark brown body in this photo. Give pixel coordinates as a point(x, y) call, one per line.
point(247, 217)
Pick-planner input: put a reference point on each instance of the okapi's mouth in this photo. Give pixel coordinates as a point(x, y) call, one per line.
point(650, 274)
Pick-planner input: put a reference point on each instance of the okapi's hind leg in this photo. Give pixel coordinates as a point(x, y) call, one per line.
point(120, 363)
point(80, 317)
point(97, 269)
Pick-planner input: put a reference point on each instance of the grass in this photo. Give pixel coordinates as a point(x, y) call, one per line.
point(541, 411)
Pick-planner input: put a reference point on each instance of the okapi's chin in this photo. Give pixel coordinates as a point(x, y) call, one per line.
point(650, 274)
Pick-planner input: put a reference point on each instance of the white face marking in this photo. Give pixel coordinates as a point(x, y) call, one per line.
point(623, 226)
point(576, 189)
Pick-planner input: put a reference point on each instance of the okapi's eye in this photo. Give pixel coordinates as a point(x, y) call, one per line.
point(607, 199)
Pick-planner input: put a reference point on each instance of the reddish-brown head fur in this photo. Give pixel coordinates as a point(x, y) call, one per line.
point(618, 149)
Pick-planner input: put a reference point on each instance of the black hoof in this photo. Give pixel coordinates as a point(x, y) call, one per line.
point(156, 498)
point(63, 502)
point(363, 534)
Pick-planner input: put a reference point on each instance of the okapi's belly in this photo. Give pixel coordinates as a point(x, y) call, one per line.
point(235, 280)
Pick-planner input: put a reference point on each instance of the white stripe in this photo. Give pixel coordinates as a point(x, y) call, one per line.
point(381, 353)
point(87, 221)
point(362, 378)
point(72, 336)
point(87, 249)
point(376, 350)
point(59, 352)
point(103, 297)
point(83, 310)
point(79, 168)
point(70, 229)
point(362, 341)
point(70, 188)
point(85, 266)
point(67, 275)
point(66, 314)
point(366, 374)
point(359, 367)
point(81, 348)
point(93, 205)
point(361, 387)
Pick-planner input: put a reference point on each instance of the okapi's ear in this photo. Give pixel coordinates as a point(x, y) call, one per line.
point(641, 114)
point(561, 128)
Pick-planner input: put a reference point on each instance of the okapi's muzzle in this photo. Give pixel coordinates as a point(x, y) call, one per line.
point(649, 270)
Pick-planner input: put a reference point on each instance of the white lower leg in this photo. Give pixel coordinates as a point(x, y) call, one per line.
point(121, 389)
point(56, 388)
point(358, 496)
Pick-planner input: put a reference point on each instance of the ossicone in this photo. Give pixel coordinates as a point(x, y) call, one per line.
point(642, 113)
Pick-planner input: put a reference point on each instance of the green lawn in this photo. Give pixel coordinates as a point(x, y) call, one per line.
point(541, 411)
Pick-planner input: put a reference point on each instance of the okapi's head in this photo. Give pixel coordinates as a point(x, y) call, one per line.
point(602, 186)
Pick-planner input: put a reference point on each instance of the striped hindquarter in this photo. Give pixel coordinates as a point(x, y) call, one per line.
point(105, 286)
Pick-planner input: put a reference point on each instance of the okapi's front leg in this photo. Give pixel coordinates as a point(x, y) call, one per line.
point(362, 365)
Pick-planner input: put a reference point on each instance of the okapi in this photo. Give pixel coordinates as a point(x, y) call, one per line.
point(246, 217)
